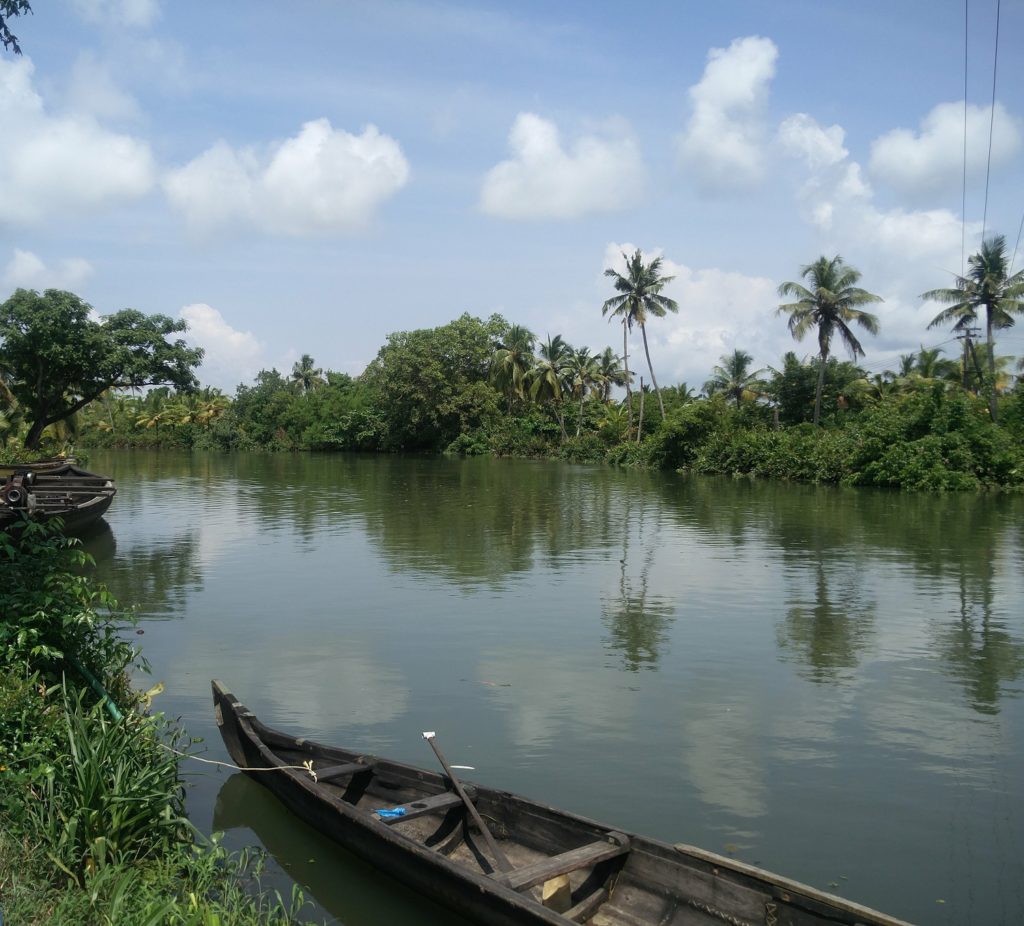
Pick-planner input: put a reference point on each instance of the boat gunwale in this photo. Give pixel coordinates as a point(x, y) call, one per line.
point(803, 896)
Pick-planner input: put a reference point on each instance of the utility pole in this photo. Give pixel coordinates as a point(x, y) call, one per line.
point(966, 335)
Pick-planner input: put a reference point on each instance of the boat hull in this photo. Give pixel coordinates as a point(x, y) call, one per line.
point(634, 882)
point(46, 492)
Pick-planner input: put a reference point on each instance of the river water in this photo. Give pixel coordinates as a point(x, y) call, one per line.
point(826, 683)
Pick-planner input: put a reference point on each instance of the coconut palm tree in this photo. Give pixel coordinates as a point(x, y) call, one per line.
point(639, 296)
point(989, 287)
point(512, 362)
point(610, 372)
point(582, 375)
point(735, 378)
point(829, 303)
point(306, 375)
point(547, 379)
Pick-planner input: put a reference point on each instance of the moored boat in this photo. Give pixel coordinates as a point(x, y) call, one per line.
point(505, 860)
point(53, 490)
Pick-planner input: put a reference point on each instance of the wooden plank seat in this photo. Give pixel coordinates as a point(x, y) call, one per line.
point(332, 772)
point(432, 804)
point(530, 875)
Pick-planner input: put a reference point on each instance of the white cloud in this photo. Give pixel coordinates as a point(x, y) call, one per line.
point(723, 144)
point(542, 180)
point(27, 271)
point(321, 181)
point(801, 136)
point(901, 252)
point(139, 14)
point(92, 90)
point(56, 165)
point(231, 356)
point(930, 161)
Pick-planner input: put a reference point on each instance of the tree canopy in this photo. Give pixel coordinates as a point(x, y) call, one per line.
point(433, 383)
point(8, 10)
point(639, 296)
point(56, 357)
point(831, 304)
point(988, 287)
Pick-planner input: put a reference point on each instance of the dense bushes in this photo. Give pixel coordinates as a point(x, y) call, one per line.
point(436, 391)
point(92, 817)
point(933, 439)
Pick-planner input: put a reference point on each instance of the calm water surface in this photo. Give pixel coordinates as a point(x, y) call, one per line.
point(825, 683)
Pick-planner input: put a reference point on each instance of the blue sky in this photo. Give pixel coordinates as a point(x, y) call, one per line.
point(310, 176)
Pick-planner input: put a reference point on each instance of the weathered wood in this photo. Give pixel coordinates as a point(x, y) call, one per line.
point(585, 909)
point(619, 881)
point(333, 772)
point(582, 857)
point(499, 857)
point(427, 805)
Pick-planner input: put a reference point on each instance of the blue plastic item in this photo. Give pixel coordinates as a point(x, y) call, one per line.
point(394, 812)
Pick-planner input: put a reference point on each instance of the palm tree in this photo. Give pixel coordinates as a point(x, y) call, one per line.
point(987, 286)
point(639, 295)
point(610, 372)
point(582, 376)
point(734, 377)
point(830, 303)
point(306, 375)
point(548, 376)
point(512, 361)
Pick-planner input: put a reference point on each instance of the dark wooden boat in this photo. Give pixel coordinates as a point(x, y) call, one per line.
point(53, 490)
point(503, 860)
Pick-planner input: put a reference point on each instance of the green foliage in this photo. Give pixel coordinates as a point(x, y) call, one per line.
point(803, 454)
point(677, 442)
point(92, 826)
point(8, 10)
point(793, 388)
point(531, 434)
point(113, 794)
point(468, 445)
point(58, 359)
point(51, 608)
point(431, 385)
point(588, 448)
point(935, 440)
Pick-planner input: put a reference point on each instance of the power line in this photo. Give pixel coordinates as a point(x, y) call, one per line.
point(963, 194)
point(1016, 245)
point(991, 122)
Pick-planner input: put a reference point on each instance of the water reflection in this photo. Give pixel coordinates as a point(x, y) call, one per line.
point(826, 680)
point(982, 654)
point(827, 632)
point(342, 885)
point(638, 622)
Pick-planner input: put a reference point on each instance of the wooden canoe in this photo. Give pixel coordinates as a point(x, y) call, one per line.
point(48, 491)
point(413, 824)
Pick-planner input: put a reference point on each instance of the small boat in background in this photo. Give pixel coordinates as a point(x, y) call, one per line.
point(53, 489)
point(503, 860)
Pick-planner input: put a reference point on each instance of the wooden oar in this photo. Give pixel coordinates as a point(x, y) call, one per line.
point(503, 863)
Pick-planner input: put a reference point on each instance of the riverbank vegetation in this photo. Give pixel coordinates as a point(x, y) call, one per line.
point(92, 820)
point(486, 386)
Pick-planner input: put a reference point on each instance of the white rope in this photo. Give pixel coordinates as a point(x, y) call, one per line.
point(305, 767)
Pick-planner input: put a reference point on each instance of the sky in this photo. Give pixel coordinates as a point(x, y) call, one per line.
point(309, 177)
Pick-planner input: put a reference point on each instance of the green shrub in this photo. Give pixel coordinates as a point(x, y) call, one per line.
point(51, 608)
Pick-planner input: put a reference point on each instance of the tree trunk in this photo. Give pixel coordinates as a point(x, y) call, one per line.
point(654, 382)
point(821, 387)
point(35, 433)
point(629, 392)
point(992, 408)
point(640, 426)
